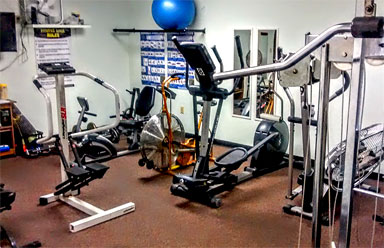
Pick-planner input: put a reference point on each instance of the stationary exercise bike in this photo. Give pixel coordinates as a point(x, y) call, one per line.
point(100, 147)
point(271, 139)
point(112, 134)
point(138, 110)
point(162, 143)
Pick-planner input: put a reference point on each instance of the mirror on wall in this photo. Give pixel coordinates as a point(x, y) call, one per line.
point(266, 54)
point(242, 59)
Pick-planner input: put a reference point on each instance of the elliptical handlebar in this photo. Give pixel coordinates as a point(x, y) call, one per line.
point(83, 133)
point(217, 55)
point(242, 64)
point(239, 51)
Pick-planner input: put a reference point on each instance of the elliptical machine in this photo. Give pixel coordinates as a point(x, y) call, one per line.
point(271, 139)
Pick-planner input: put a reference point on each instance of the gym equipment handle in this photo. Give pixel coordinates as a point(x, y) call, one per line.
point(239, 80)
point(79, 134)
point(46, 139)
point(214, 49)
point(368, 27)
point(217, 55)
point(239, 51)
point(89, 113)
point(298, 120)
point(299, 55)
point(168, 92)
point(176, 75)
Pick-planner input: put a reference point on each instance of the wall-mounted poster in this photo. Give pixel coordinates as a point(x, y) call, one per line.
point(152, 58)
point(160, 58)
point(52, 45)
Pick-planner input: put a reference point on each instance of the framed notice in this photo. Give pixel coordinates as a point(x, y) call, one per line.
point(52, 45)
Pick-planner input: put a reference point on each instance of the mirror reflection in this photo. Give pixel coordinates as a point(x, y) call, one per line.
point(265, 82)
point(242, 59)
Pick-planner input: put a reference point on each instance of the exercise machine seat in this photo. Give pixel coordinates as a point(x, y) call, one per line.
point(145, 101)
point(98, 169)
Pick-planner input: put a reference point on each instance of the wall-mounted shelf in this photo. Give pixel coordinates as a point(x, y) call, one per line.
point(134, 30)
point(58, 26)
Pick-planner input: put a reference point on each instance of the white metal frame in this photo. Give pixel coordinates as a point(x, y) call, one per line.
point(97, 215)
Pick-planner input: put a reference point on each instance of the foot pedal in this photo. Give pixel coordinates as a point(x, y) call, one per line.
point(76, 172)
point(97, 168)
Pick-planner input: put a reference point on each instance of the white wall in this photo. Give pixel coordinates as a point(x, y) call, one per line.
point(94, 50)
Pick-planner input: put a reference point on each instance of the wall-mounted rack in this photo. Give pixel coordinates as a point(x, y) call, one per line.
point(134, 30)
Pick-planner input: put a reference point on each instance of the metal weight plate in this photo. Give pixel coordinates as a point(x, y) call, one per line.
point(340, 48)
point(297, 75)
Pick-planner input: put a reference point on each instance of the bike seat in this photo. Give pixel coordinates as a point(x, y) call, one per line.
point(232, 159)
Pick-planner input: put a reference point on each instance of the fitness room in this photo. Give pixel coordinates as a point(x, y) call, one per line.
point(192, 123)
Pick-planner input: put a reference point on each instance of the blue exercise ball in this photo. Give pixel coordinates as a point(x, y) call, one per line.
point(173, 14)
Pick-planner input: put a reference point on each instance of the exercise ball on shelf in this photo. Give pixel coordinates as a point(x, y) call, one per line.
point(173, 14)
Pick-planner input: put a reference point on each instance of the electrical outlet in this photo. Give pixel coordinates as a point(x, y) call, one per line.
point(182, 110)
